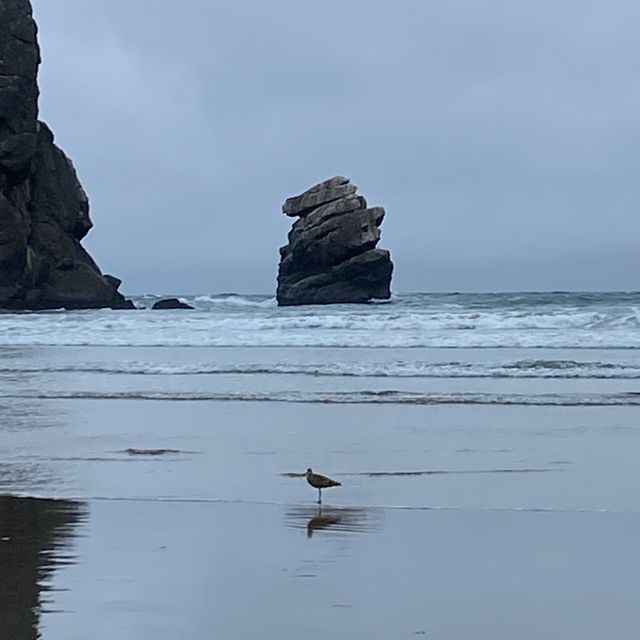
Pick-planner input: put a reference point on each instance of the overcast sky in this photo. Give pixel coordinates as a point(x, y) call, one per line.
point(502, 137)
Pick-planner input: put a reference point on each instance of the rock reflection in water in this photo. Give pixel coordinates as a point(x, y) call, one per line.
point(35, 537)
point(336, 520)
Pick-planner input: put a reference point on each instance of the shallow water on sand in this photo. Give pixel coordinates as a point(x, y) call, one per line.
point(460, 456)
point(486, 492)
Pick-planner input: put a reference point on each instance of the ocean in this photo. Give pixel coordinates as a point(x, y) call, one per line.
point(487, 446)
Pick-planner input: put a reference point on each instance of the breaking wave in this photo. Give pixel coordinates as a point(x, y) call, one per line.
point(571, 320)
point(536, 368)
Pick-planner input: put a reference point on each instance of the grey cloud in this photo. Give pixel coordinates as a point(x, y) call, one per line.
point(501, 137)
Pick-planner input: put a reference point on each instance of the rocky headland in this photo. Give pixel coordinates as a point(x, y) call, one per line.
point(44, 211)
point(332, 256)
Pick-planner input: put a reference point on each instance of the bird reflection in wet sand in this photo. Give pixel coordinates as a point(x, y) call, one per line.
point(339, 521)
point(321, 521)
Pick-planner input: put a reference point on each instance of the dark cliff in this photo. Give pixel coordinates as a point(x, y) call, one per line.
point(331, 256)
point(44, 211)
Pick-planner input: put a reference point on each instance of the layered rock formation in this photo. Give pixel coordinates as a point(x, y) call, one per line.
point(331, 256)
point(44, 212)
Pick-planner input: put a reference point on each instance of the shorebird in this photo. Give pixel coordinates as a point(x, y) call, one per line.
point(320, 482)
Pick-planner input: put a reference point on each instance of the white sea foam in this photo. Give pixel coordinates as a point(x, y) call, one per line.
point(410, 368)
point(500, 320)
point(235, 300)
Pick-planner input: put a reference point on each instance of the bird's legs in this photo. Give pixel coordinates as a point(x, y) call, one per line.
point(319, 496)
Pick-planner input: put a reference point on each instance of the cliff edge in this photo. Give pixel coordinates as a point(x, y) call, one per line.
point(44, 211)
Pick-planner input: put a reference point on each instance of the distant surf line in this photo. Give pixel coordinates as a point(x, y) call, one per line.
point(388, 396)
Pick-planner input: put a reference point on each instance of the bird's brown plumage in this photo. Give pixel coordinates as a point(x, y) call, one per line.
point(319, 481)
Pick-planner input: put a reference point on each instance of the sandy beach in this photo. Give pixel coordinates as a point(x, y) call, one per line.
point(148, 569)
point(157, 491)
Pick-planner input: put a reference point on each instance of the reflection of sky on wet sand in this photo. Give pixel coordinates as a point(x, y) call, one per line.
point(36, 537)
point(166, 570)
point(25, 424)
point(25, 427)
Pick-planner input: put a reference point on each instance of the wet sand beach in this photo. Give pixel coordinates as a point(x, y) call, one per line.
point(495, 525)
point(158, 491)
point(148, 569)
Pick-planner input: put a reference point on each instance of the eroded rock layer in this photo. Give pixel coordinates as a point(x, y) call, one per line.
point(44, 211)
point(332, 256)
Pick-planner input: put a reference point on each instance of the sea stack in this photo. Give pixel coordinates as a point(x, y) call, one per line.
point(44, 211)
point(331, 256)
